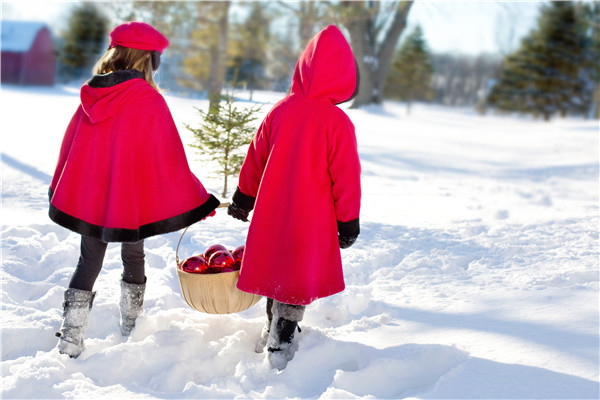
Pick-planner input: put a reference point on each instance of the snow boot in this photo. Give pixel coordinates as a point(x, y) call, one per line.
point(280, 344)
point(76, 314)
point(132, 299)
point(264, 335)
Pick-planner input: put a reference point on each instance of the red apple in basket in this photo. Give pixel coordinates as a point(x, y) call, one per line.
point(195, 265)
point(211, 249)
point(220, 260)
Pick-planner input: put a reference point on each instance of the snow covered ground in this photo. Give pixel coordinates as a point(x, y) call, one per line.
point(475, 275)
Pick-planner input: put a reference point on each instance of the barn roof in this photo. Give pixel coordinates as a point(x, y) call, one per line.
point(18, 36)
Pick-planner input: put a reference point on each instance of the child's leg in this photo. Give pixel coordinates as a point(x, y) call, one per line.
point(90, 263)
point(264, 335)
point(133, 285)
point(132, 255)
point(79, 297)
point(281, 335)
point(269, 312)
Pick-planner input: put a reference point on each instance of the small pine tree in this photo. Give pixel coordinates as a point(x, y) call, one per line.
point(544, 76)
point(84, 39)
point(411, 71)
point(224, 130)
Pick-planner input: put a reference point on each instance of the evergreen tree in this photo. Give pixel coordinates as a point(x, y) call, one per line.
point(225, 128)
point(543, 77)
point(590, 18)
point(84, 39)
point(411, 71)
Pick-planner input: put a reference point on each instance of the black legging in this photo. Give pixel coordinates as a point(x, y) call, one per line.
point(92, 257)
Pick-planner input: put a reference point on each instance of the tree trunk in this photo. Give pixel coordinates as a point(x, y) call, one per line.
point(306, 21)
point(226, 173)
point(373, 56)
point(224, 194)
point(219, 56)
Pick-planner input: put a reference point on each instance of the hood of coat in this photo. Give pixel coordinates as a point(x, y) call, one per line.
point(326, 69)
point(103, 95)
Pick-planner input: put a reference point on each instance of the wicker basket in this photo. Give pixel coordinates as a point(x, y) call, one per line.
point(213, 293)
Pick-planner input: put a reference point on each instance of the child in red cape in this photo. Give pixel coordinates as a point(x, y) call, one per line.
point(301, 176)
point(122, 176)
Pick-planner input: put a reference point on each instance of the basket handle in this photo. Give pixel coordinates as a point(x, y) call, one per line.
point(222, 205)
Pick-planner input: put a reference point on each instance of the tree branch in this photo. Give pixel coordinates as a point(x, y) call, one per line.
point(386, 50)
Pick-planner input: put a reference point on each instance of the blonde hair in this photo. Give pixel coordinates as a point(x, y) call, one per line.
point(121, 58)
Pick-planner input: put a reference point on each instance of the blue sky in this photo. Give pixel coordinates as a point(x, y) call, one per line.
point(469, 27)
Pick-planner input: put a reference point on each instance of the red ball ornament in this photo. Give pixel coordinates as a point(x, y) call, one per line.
point(238, 253)
point(211, 249)
point(220, 260)
point(195, 265)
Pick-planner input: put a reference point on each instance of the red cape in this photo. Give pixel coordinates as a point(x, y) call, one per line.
point(303, 170)
point(122, 174)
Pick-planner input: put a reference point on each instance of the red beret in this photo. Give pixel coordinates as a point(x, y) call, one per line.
point(138, 35)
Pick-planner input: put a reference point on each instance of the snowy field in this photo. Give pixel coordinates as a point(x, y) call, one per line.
point(475, 275)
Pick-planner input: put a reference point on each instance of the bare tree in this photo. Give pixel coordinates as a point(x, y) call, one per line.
point(311, 15)
point(374, 28)
point(218, 52)
point(205, 57)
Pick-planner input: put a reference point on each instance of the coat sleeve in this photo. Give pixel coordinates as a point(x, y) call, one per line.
point(254, 164)
point(344, 169)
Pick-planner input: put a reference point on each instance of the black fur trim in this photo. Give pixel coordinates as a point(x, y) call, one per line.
point(132, 235)
point(350, 228)
point(243, 201)
point(114, 78)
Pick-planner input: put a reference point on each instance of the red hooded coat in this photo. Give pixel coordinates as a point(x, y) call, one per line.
point(303, 172)
point(122, 174)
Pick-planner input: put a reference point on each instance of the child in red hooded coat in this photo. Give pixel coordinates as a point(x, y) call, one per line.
point(301, 176)
point(122, 176)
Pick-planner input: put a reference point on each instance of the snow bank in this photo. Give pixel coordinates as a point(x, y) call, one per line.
point(475, 275)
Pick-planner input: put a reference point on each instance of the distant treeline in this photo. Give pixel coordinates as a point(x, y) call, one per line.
point(255, 45)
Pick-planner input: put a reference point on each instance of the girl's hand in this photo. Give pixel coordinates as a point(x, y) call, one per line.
point(237, 212)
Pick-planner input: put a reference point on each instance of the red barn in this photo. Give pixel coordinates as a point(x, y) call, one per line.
point(28, 56)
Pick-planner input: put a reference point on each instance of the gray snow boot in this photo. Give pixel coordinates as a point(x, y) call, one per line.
point(280, 344)
point(132, 300)
point(76, 314)
point(264, 335)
